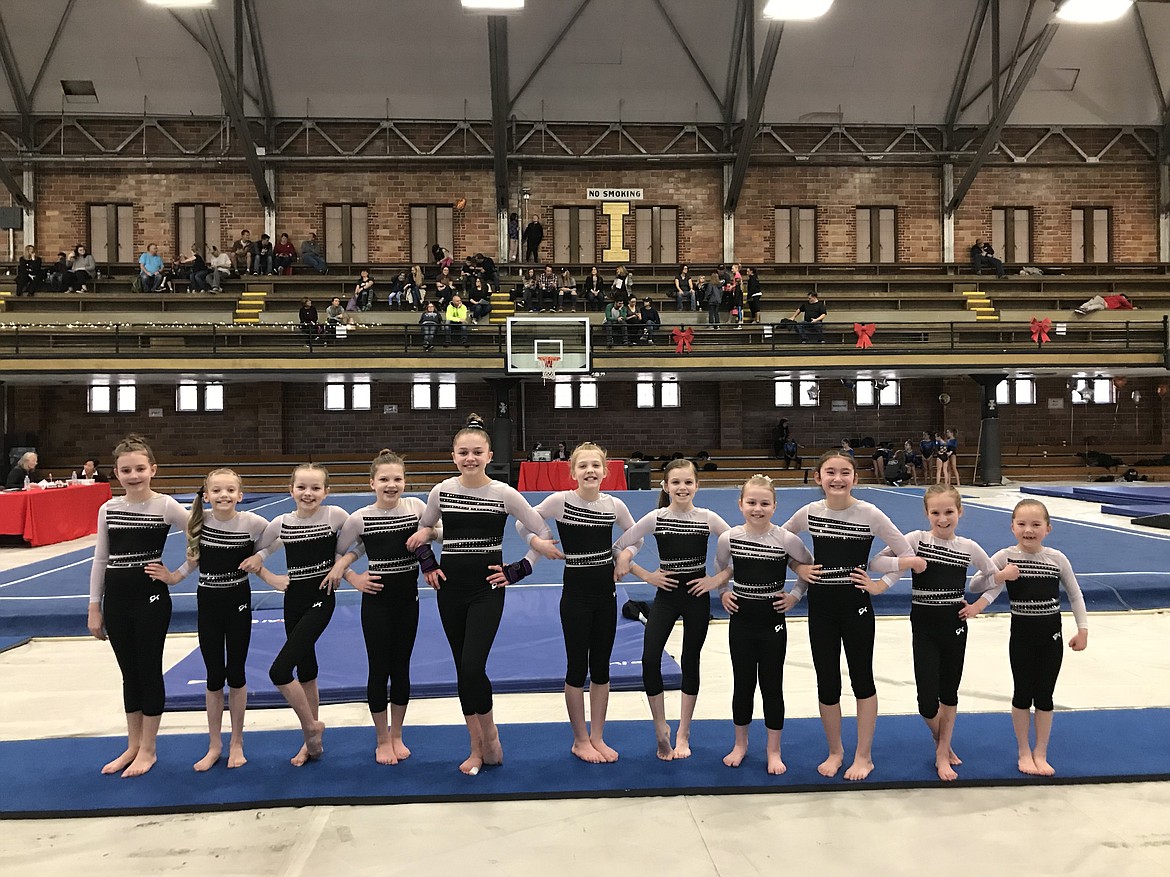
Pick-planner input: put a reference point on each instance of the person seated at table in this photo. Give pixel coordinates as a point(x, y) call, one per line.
point(561, 452)
point(91, 472)
point(26, 467)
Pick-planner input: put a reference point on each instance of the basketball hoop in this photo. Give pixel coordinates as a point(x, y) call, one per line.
point(549, 370)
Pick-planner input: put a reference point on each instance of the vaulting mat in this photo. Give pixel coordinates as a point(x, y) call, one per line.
point(60, 777)
point(1132, 493)
point(528, 655)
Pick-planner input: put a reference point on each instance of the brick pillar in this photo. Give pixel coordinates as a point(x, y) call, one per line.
point(270, 419)
point(730, 416)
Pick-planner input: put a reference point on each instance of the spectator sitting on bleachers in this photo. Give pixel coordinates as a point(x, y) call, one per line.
point(812, 327)
point(616, 317)
point(430, 321)
point(195, 268)
point(444, 288)
point(479, 302)
point(594, 291)
point(651, 321)
point(284, 254)
point(363, 290)
point(150, 269)
point(704, 463)
point(684, 289)
point(60, 278)
point(567, 291)
point(791, 452)
point(312, 256)
point(310, 323)
point(243, 253)
point(83, 266)
point(337, 315)
point(527, 293)
point(546, 281)
point(456, 320)
point(29, 272)
point(221, 268)
point(262, 262)
point(983, 256)
point(486, 266)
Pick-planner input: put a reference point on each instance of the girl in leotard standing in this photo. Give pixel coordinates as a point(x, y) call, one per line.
point(757, 555)
point(389, 590)
point(309, 537)
point(840, 612)
point(217, 547)
point(1034, 648)
point(127, 605)
point(472, 576)
point(585, 520)
point(682, 532)
point(939, 633)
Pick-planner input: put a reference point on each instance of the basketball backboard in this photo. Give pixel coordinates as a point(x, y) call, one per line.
point(530, 338)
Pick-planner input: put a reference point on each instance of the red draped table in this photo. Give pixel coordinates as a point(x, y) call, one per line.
point(55, 514)
point(555, 476)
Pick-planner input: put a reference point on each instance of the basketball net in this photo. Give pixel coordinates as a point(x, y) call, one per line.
point(549, 370)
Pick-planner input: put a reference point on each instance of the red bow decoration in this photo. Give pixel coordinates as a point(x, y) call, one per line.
point(682, 339)
point(1040, 330)
point(864, 333)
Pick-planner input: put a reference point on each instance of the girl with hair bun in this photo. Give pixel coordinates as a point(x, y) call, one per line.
point(472, 577)
point(216, 546)
point(126, 604)
point(682, 532)
point(585, 519)
point(389, 589)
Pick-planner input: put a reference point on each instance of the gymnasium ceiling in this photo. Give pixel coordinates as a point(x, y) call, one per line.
point(866, 61)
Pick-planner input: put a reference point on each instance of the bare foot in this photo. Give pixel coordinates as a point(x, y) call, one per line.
point(832, 764)
point(859, 770)
point(207, 762)
point(1026, 764)
point(1043, 768)
point(400, 750)
point(143, 762)
point(236, 755)
point(775, 765)
point(954, 759)
point(734, 758)
point(493, 752)
point(301, 758)
point(946, 773)
point(608, 753)
point(665, 750)
point(472, 765)
point(314, 740)
point(120, 763)
point(584, 750)
point(385, 753)
point(682, 747)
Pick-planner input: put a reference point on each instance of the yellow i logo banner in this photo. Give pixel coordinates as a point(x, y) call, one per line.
point(615, 213)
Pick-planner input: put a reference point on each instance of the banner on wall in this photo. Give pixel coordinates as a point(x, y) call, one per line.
point(613, 194)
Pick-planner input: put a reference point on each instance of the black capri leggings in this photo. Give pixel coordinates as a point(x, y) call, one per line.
point(389, 626)
point(939, 642)
point(471, 617)
point(225, 630)
point(1035, 650)
point(307, 610)
point(841, 615)
point(758, 639)
point(667, 608)
point(589, 622)
point(137, 613)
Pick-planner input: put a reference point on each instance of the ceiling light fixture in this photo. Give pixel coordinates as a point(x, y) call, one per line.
point(1092, 11)
point(181, 4)
point(796, 10)
point(492, 5)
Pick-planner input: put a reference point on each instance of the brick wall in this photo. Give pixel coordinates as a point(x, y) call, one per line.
point(273, 419)
point(697, 192)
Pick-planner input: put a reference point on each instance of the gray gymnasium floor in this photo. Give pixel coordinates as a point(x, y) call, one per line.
point(69, 687)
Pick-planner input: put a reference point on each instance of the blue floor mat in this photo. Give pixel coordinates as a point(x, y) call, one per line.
point(12, 642)
point(60, 777)
point(1134, 511)
point(1118, 569)
point(528, 655)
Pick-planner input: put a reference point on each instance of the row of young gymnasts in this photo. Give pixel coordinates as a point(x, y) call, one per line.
point(129, 600)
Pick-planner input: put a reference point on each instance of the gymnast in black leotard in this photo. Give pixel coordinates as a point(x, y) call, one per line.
point(389, 589)
point(585, 520)
point(472, 576)
point(216, 546)
point(126, 605)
